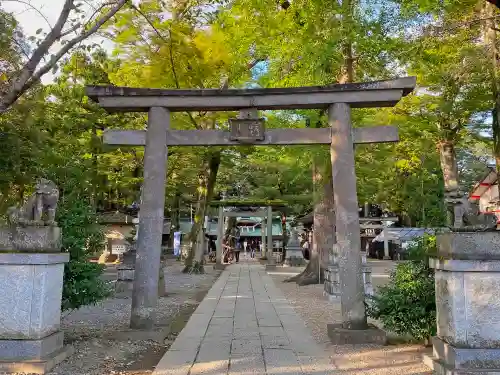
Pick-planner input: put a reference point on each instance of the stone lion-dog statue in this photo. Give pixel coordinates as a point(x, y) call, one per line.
point(467, 217)
point(40, 209)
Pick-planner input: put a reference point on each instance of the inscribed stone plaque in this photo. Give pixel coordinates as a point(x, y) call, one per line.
point(247, 130)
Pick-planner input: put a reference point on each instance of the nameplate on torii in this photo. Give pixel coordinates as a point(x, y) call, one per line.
point(283, 136)
point(247, 130)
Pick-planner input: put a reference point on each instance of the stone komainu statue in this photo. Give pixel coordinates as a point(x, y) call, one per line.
point(468, 218)
point(40, 209)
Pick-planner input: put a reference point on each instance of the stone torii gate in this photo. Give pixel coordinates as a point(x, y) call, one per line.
point(266, 230)
point(338, 99)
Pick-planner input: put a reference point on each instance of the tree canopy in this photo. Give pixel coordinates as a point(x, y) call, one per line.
point(446, 140)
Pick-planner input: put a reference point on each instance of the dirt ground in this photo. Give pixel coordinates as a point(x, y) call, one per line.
point(87, 329)
point(351, 359)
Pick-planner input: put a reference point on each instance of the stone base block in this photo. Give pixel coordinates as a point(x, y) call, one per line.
point(30, 298)
point(32, 349)
point(467, 302)
point(295, 262)
point(125, 274)
point(122, 286)
point(157, 334)
point(270, 267)
point(331, 297)
point(469, 245)
point(440, 368)
point(43, 239)
point(37, 366)
point(127, 286)
point(463, 359)
point(342, 336)
point(220, 266)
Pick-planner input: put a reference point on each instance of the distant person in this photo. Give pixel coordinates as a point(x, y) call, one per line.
point(211, 245)
point(237, 249)
point(253, 246)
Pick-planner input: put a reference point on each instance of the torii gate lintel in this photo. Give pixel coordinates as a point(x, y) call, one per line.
point(292, 136)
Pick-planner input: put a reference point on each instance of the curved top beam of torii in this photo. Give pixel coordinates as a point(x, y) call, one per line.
point(365, 94)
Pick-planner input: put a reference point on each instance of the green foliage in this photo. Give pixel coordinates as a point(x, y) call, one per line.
point(82, 237)
point(423, 248)
point(55, 130)
point(407, 305)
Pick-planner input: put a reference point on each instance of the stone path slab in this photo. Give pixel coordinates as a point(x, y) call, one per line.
point(245, 326)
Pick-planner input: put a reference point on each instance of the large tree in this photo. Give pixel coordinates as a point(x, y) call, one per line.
point(189, 50)
point(42, 52)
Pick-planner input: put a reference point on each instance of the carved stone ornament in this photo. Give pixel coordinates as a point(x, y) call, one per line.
point(467, 217)
point(40, 209)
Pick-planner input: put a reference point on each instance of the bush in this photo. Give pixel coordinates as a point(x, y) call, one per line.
point(423, 248)
point(407, 305)
point(81, 237)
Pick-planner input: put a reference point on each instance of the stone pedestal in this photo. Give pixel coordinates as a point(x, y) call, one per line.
point(30, 311)
point(45, 239)
point(219, 266)
point(338, 333)
point(294, 256)
point(467, 277)
point(271, 261)
point(126, 275)
point(126, 272)
point(331, 289)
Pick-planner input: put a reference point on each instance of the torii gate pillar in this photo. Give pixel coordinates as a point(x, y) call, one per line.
point(346, 217)
point(147, 265)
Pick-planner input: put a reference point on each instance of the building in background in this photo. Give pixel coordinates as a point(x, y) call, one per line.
point(485, 193)
point(118, 227)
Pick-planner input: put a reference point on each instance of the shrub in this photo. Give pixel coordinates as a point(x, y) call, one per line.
point(81, 237)
point(423, 248)
point(407, 305)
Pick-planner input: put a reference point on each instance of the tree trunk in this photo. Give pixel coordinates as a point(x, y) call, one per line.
point(174, 219)
point(448, 160)
point(231, 224)
point(95, 167)
point(490, 37)
point(230, 230)
point(207, 179)
point(449, 166)
point(496, 134)
point(323, 231)
point(324, 211)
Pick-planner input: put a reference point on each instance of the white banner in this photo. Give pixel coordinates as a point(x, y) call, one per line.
point(177, 243)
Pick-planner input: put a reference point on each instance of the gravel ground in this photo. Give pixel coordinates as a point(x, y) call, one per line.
point(86, 328)
point(351, 359)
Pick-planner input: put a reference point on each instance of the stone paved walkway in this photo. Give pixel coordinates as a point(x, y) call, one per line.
point(245, 326)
